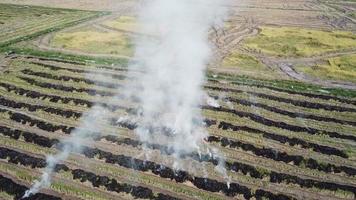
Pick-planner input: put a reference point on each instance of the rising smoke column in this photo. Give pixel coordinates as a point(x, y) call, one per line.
point(89, 127)
point(173, 61)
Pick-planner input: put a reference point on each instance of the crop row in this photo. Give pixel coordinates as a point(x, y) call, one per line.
point(289, 113)
point(319, 96)
point(267, 122)
point(311, 95)
point(112, 85)
point(28, 137)
point(223, 125)
point(239, 101)
point(38, 95)
point(91, 92)
point(235, 166)
point(305, 104)
point(136, 164)
point(49, 127)
point(284, 157)
point(70, 78)
point(282, 125)
point(33, 108)
point(55, 98)
point(299, 103)
point(268, 153)
point(112, 185)
point(282, 139)
point(274, 177)
point(56, 68)
point(264, 152)
point(179, 176)
point(10, 187)
point(16, 157)
point(61, 61)
point(24, 119)
point(248, 169)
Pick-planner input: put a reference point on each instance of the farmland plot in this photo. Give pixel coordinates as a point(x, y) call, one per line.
point(23, 22)
point(282, 139)
point(280, 143)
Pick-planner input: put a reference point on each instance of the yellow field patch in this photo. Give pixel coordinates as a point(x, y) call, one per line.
point(247, 65)
point(338, 68)
point(125, 23)
point(93, 41)
point(298, 42)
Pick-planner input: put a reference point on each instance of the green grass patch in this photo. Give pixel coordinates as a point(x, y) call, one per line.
point(299, 42)
point(338, 68)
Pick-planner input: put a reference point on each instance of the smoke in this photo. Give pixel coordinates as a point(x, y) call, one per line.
point(212, 102)
point(165, 84)
point(89, 127)
point(173, 61)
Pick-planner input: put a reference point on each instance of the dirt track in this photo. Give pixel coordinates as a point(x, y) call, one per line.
point(286, 65)
point(311, 14)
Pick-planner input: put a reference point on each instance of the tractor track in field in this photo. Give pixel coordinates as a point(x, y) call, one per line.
point(286, 65)
point(227, 41)
point(282, 65)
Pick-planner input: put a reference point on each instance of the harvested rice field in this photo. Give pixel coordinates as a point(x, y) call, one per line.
point(285, 123)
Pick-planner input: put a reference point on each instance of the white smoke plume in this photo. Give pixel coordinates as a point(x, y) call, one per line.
point(89, 126)
point(212, 102)
point(166, 81)
point(173, 61)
